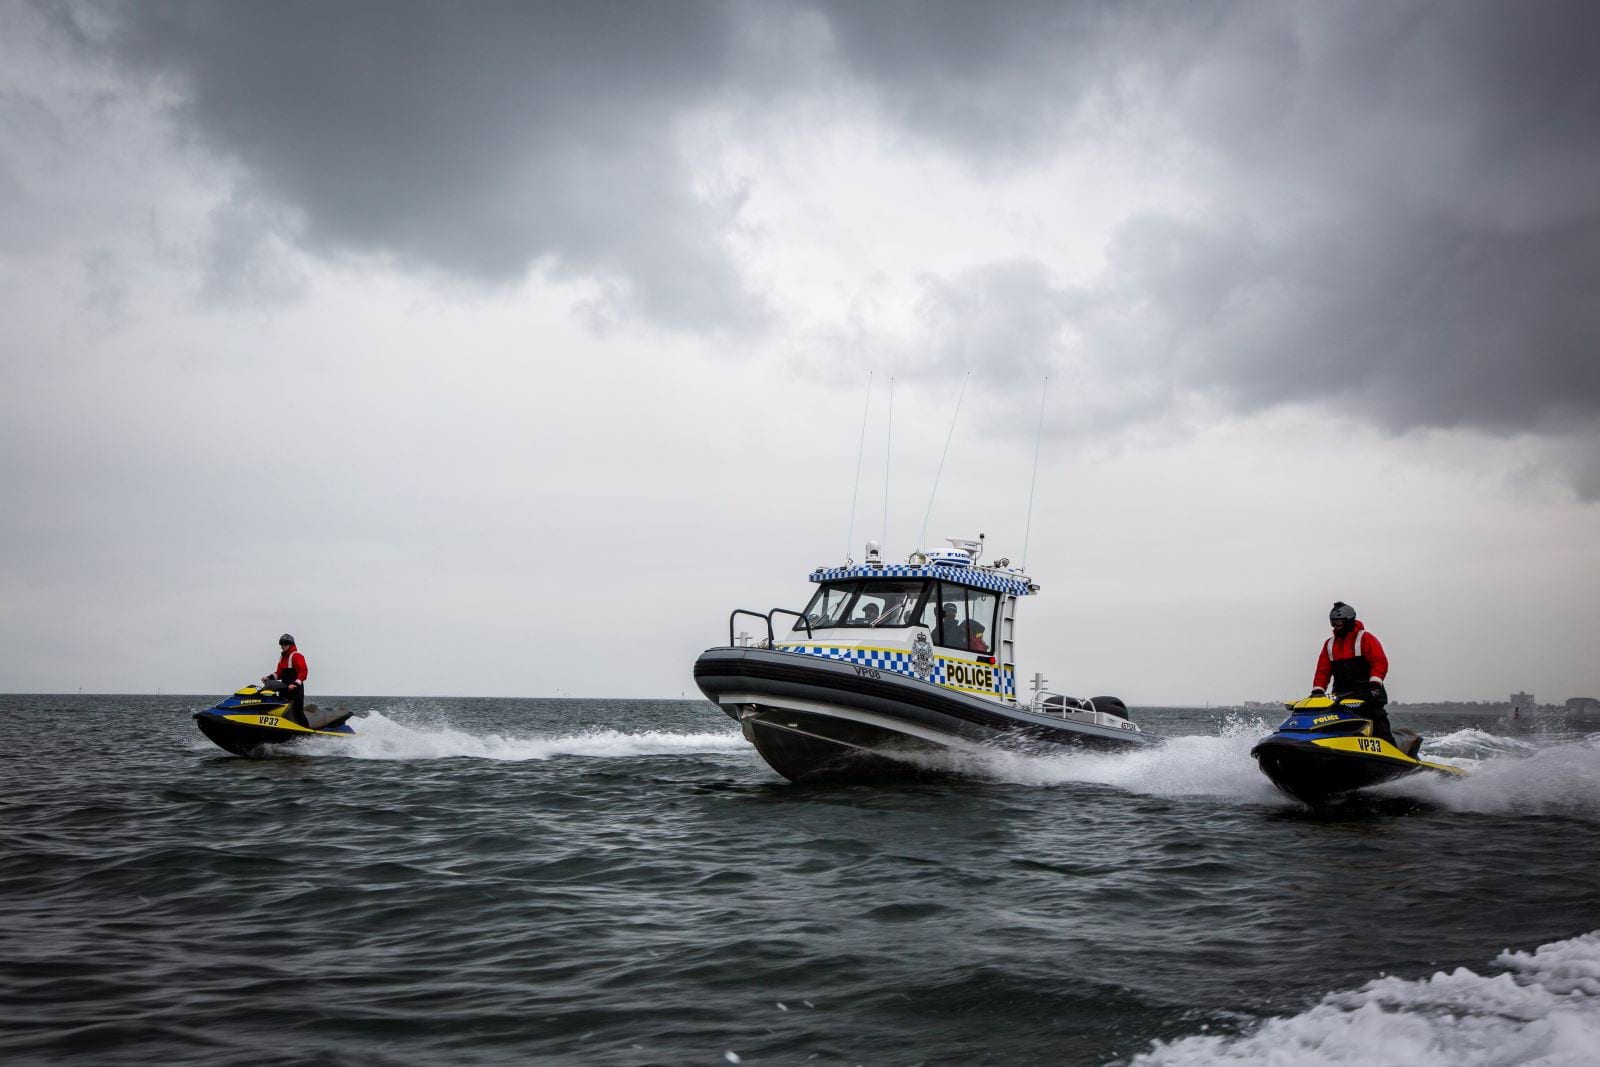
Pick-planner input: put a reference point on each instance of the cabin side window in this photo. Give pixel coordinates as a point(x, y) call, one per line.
point(962, 618)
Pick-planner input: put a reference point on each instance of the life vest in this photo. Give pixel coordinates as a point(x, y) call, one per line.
point(1353, 673)
point(286, 672)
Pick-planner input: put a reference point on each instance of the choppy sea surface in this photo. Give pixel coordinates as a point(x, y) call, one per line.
point(625, 882)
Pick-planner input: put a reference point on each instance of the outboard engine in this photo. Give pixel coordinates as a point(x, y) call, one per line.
point(1111, 706)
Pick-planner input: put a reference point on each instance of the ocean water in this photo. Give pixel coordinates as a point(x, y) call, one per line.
point(625, 882)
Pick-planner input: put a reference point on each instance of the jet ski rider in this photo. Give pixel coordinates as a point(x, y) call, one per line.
point(290, 678)
point(1354, 661)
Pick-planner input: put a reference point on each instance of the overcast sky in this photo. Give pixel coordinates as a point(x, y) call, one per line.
point(503, 349)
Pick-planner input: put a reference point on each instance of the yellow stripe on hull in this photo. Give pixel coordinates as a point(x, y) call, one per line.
point(278, 722)
point(1377, 746)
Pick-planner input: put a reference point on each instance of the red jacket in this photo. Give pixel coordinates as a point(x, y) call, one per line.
point(1356, 641)
point(294, 659)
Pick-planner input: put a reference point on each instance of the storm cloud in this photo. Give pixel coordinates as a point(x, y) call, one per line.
point(1394, 208)
point(1397, 212)
point(526, 135)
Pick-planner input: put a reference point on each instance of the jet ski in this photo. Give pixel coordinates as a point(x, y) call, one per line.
point(1325, 751)
point(253, 718)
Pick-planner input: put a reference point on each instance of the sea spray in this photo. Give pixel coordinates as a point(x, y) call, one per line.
point(1561, 778)
point(383, 738)
point(1543, 1008)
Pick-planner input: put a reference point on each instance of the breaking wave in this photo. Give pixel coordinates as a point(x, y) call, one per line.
point(1542, 1008)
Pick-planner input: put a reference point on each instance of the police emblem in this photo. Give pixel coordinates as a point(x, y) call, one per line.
point(922, 656)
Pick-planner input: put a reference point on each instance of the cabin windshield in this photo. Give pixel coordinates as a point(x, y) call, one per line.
point(869, 603)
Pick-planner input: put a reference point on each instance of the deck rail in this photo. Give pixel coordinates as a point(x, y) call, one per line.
point(766, 618)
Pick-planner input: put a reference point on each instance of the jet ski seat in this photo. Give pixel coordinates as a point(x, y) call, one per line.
point(325, 718)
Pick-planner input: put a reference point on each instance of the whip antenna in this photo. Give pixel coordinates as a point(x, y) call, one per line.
point(861, 450)
point(1038, 433)
point(922, 542)
point(888, 445)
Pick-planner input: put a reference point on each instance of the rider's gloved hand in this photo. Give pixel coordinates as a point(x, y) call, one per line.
point(1376, 693)
point(1318, 692)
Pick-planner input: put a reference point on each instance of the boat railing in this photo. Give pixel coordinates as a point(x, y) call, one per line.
point(766, 618)
point(1045, 703)
point(786, 611)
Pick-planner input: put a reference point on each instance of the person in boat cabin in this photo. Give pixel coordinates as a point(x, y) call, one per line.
point(1354, 663)
point(290, 677)
point(950, 632)
point(974, 631)
point(869, 614)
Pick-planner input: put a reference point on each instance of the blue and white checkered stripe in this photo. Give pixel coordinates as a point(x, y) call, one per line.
point(977, 579)
point(899, 662)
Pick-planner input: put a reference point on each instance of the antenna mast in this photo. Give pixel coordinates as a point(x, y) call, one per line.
point(1038, 433)
point(922, 542)
point(861, 450)
point(888, 446)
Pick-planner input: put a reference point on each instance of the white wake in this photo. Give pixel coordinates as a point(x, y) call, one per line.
point(1542, 1007)
point(1504, 774)
point(379, 737)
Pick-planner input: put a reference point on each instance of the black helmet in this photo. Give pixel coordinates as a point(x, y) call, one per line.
point(288, 639)
point(1342, 612)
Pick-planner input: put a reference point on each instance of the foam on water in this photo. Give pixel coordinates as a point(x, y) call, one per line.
point(1195, 765)
point(1504, 774)
point(379, 737)
point(1542, 1008)
point(1563, 778)
point(1472, 743)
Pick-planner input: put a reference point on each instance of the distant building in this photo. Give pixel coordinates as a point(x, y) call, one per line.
point(1583, 705)
point(1522, 700)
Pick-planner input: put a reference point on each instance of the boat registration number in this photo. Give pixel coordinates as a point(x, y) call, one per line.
point(269, 720)
point(1369, 744)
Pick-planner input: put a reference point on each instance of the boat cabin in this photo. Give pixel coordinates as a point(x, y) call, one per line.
point(941, 616)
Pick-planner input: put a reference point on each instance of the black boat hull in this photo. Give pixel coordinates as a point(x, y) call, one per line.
point(812, 718)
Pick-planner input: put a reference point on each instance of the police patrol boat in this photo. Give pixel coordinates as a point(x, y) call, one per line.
point(253, 718)
point(897, 660)
point(1325, 751)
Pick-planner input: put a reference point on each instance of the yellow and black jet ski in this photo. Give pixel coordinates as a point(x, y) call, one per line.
point(254, 718)
point(1325, 750)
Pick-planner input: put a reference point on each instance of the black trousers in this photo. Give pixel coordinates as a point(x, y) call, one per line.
point(297, 700)
point(297, 706)
point(1378, 713)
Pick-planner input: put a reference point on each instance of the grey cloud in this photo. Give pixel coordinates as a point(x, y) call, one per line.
point(1400, 215)
point(1405, 321)
point(526, 135)
point(1010, 78)
point(1397, 209)
point(1002, 319)
point(244, 259)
